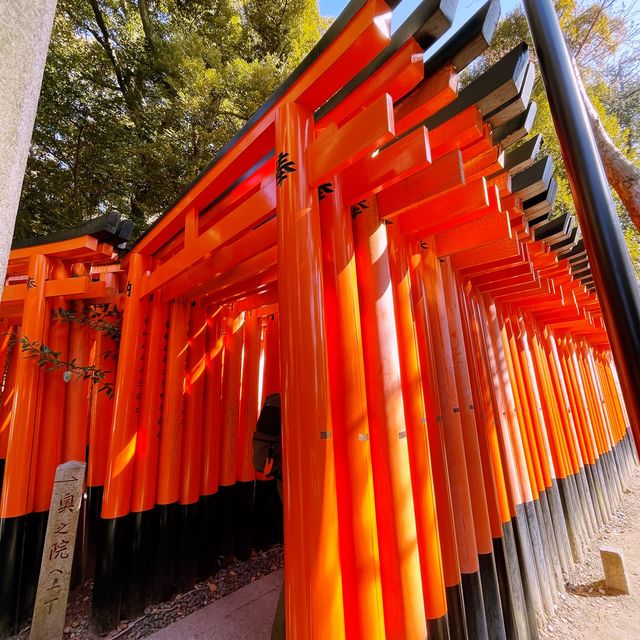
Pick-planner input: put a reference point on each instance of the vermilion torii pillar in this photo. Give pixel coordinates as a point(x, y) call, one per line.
point(617, 288)
point(313, 582)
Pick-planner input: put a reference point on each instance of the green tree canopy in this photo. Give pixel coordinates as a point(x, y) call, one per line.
point(139, 95)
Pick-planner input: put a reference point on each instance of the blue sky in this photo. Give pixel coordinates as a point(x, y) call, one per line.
point(465, 9)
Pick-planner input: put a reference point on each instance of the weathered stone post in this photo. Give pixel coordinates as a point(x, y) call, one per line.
point(25, 29)
point(57, 557)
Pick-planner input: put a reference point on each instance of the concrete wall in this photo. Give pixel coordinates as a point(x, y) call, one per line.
point(25, 29)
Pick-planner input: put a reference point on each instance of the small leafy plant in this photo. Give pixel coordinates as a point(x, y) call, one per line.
point(100, 317)
point(52, 361)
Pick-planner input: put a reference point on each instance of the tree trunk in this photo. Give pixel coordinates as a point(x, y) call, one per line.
point(622, 174)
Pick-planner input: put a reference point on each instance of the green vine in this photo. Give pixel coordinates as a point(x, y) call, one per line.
point(52, 361)
point(103, 318)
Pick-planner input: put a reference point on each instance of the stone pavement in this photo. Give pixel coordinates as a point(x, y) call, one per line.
point(246, 614)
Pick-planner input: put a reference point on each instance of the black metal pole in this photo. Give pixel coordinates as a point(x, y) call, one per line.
point(610, 262)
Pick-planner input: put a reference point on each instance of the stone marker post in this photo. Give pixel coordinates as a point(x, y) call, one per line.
point(57, 556)
point(615, 576)
point(25, 29)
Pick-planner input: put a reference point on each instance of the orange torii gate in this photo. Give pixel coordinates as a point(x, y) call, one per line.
point(372, 246)
point(45, 419)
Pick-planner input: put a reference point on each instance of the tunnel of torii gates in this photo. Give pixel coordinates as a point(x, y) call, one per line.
point(377, 244)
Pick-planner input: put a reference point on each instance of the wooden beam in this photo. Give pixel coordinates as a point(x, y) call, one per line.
point(374, 173)
point(396, 77)
point(431, 95)
point(471, 235)
point(462, 203)
point(247, 215)
point(497, 255)
point(226, 258)
point(427, 184)
point(338, 147)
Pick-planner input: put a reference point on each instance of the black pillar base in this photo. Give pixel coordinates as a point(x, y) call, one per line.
point(35, 531)
point(113, 557)
point(143, 543)
point(523, 614)
point(187, 550)
point(455, 609)
point(94, 508)
point(587, 505)
point(208, 544)
point(539, 555)
point(474, 606)
point(491, 597)
point(507, 596)
point(438, 628)
point(570, 517)
point(579, 514)
point(526, 564)
point(80, 553)
point(267, 515)
point(164, 553)
point(593, 495)
point(11, 541)
point(243, 516)
point(226, 496)
point(559, 526)
point(554, 565)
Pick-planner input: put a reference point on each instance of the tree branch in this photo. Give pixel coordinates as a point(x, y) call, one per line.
point(621, 173)
point(590, 29)
point(147, 25)
point(105, 41)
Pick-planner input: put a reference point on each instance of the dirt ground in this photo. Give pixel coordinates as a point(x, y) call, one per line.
point(586, 611)
point(234, 576)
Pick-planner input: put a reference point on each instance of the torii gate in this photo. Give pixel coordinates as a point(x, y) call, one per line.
point(453, 429)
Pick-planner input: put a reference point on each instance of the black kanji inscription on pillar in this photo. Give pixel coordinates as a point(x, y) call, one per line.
point(284, 167)
point(324, 190)
point(358, 208)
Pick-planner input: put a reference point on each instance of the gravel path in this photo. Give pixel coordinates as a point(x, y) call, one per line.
point(226, 581)
point(587, 611)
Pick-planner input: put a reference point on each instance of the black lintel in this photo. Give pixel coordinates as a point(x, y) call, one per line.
point(517, 104)
point(468, 42)
point(125, 229)
point(102, 227)
point(543, 200)
point(523, 156)
point(579, 266)
point(490, 90)
point(516, 129)
point(565, 245)
point(540, 220)
point(425, 25)
point(554, 228)
point(534, 180)
point(584, 273)
point(575, 259)
point(578, 250)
